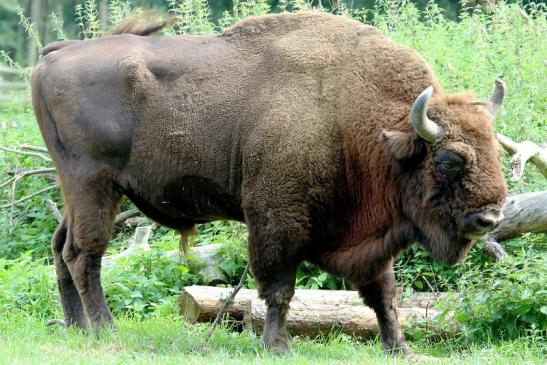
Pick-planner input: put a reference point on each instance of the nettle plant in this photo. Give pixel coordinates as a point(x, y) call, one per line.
point(504, 300)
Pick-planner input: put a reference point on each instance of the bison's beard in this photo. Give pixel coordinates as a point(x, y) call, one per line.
point(445, 246)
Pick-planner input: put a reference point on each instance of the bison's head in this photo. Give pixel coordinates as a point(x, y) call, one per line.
point(452, 186)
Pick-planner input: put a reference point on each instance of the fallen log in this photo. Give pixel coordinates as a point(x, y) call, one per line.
point(209, 299)
point(521, 213)
point(138, 243)
point(313, 319)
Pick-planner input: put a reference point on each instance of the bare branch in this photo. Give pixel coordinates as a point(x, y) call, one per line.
point(127, 214)
point(26, 153)
point(26, 173)
point(30, 147)
point(522, 213)
point(28, 197)
point(521, 153)
point(494, 249)
point(226, 303)
point(56, 213)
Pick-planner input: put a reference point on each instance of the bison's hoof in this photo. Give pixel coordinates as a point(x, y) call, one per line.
point(53, 322)
point(401, 350)
point(418, 359)
point(278, 345)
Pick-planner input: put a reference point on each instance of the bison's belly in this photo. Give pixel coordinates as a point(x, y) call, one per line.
point(185, 199)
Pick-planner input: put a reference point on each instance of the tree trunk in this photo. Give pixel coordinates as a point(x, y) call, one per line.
point(103, 14)
point(312, 311)
point(522, 213)
point(209, 299)
point(36, 19)
point(313, 319)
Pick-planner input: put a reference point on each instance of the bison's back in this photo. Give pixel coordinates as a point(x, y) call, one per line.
point(263, 101)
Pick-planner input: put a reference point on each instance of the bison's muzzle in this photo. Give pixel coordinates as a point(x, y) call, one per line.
point(478, 224)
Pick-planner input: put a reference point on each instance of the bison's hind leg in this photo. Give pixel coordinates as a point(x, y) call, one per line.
point(70, 299)
point(92, 201)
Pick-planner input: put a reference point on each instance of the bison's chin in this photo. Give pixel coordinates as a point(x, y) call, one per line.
point(464, 247)
point(447, 249)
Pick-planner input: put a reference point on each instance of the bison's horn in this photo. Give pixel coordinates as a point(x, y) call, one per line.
point(496, 99)
point(424, 127)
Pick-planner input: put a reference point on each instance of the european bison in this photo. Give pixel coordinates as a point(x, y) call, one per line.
point(332, 143)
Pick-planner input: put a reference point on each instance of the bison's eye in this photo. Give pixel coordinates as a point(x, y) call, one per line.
point(449, 163)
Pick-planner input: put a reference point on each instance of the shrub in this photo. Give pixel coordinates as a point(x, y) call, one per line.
point(144, 285)
point(505, 300)
point(27, 286)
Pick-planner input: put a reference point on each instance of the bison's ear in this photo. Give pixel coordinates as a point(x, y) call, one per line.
point(400, 145)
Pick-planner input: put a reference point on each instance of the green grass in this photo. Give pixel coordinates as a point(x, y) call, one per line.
point(25, 340)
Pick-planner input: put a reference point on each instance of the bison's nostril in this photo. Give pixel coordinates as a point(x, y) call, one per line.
point(485, 223)
point(480, 223)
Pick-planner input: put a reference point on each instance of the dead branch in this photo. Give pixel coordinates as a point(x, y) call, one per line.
point(138, 243)
point(28, 197)
point(126, 215)
point(26, 153)
point(227, 302)
point(521, 213)
point(30, 147)
point(56, 213)
point(521, 153)
point(311, 311)
point(312, 320)
point(20, 175)
point(210, 298)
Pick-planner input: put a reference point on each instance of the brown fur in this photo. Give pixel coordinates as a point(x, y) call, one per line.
point(296, 124)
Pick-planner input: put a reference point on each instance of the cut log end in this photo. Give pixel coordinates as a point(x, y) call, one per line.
point(189, 307)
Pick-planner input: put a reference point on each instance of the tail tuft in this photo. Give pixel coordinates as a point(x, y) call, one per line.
point(185, 233)
point(143, 25)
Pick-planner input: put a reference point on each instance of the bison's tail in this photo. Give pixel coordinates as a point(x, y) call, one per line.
point(143, 24)
point(185, 233)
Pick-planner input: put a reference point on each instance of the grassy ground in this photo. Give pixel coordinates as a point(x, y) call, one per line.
point(168, 341)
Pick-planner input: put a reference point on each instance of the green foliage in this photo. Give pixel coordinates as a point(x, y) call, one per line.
point(505, 300)
point(193, 17)
point(310, 277)
point(57, 26)
point(28, 286)
point(118, 10)
point(87, 19)
point(145, 284)
point(29, 28)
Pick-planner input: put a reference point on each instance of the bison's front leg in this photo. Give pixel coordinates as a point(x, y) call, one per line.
point(380, 296)
point(273, 263)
